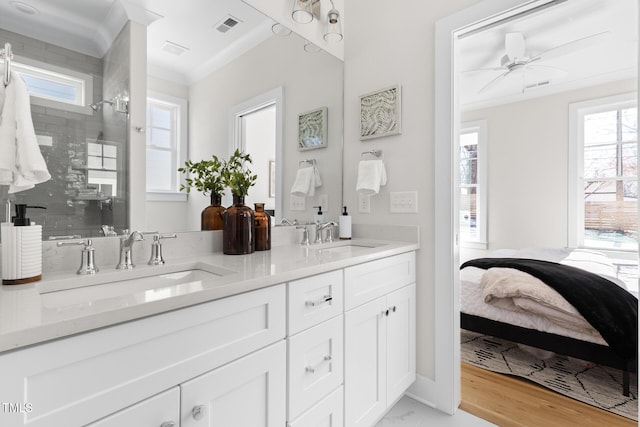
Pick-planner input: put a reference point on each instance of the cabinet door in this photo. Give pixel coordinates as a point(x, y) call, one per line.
point(162, 410)
point(401, 342)
point(365, 364)
point(250, 391)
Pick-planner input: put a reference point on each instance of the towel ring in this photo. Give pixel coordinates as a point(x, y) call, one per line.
point(310, 161)
point(376, 153)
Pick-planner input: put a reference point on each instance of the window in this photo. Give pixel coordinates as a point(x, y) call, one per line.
point(604, 174)
point(473, 188)
point(55, 87)
point(166, 146)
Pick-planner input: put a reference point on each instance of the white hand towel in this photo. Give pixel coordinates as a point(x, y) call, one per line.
point(304, 182)
point(30, 165)
point(307, 180)
point(7, 135)
point(371, 175)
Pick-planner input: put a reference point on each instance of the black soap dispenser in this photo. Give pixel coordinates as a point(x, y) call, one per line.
point(318, 217)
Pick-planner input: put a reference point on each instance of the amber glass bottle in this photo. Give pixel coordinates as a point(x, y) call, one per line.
point(211, 217)
point(263, 228)
point(238, 233)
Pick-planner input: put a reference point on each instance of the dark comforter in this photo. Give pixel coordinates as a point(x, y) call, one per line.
point(611, 310)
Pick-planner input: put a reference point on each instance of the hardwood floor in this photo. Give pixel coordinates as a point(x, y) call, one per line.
point(508, 401)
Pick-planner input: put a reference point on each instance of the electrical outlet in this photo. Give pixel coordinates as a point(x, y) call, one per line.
point(403, 202)
point(364, 203)
point(297, 203)
point(323, 202)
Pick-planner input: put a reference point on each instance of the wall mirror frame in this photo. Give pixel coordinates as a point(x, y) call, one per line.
point(184, 216)
point(447, 130)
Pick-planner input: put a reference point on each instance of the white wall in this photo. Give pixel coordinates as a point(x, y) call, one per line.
point(527, 168)
point(309, 80)
point(173, 215)
point(387, 44)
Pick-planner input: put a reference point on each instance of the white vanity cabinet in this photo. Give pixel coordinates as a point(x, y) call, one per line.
point(81, 379)
point(315, 351)
point(380, 353)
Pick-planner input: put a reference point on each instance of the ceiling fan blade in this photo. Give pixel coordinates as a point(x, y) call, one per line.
point(493, 82)
point(477, 70)
point(514, 45)
point(572, 46)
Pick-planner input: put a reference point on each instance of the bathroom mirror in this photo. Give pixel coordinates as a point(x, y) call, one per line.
point(308, 81)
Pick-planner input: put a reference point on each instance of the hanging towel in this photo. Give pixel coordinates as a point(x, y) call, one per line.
point(18, 140)
point(307, 180)
point(371, 175)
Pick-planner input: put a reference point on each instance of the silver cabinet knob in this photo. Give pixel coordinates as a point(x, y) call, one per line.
point(198, 412)
point(168, 424)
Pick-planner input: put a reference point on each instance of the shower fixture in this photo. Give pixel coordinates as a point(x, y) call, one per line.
point(120, 103)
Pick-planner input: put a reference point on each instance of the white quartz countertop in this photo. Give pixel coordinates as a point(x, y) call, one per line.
point(64, 304)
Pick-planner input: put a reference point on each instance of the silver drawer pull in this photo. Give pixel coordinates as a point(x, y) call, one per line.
point(325, 299)
point(168, 424)
point(312, 369)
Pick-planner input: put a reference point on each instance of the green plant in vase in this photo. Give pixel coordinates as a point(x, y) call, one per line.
point(207, 177)
point(239, 228)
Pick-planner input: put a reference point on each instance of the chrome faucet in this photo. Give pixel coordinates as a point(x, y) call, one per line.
point(286, 221)
point(305, 234)
point(126, 245)
point(329, 227)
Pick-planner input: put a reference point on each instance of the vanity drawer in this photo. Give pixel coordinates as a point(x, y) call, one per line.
point(371, 280)
point(314, 299)
point(76, 380)
point(326, 413)
point(316, 364)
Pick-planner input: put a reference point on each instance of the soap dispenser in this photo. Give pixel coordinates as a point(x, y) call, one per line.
point(345, 225)
point(318, 217)
point(22, 248)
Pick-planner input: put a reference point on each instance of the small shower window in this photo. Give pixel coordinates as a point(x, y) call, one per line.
point(51, 86)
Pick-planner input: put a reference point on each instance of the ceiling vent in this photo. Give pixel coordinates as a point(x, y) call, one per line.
point(174, 48)
point(227, 23)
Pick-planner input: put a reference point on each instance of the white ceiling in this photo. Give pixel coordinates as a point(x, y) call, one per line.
point(613, 57)
point(89, 26)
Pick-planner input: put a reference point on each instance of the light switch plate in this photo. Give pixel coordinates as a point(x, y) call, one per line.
point(323, 202)
point(364, 203)
point(297, 203)
point(403, 202)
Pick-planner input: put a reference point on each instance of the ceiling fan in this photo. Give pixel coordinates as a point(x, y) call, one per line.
point(516, 60)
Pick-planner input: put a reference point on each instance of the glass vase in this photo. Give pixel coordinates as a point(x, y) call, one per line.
point(263, 228)
point(211, 217)
point(238, 233)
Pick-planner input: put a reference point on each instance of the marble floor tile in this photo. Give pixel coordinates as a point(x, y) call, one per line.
point(411, 413)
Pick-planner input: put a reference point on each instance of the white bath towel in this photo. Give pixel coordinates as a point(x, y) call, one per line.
point(18, 140)
point(307, 180)
point(371, 175)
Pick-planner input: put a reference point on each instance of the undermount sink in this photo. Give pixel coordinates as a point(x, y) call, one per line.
point(142, 289)
point(345, 248)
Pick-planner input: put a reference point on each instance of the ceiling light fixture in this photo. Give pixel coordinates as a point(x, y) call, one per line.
point(280, 30)
point(304, 11)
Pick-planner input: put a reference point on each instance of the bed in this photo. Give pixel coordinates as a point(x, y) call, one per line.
point(484, 313)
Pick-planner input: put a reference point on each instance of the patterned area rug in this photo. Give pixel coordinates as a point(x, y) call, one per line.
point(593, 384)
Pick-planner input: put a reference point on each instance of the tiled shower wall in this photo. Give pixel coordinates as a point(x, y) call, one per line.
point(66, 158)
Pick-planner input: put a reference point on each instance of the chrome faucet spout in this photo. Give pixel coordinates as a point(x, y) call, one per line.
point(126, 245)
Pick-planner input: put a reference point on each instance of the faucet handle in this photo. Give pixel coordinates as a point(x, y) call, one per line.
point(87, 265)
point(156, 248)
point(330, 226)
point(305, 234)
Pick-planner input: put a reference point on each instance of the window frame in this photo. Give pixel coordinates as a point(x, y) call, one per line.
point(179, 152)
point(479, 127)
point(575, 179)
point(81, 81)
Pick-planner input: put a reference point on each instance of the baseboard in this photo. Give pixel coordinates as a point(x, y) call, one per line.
point(424, 391)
